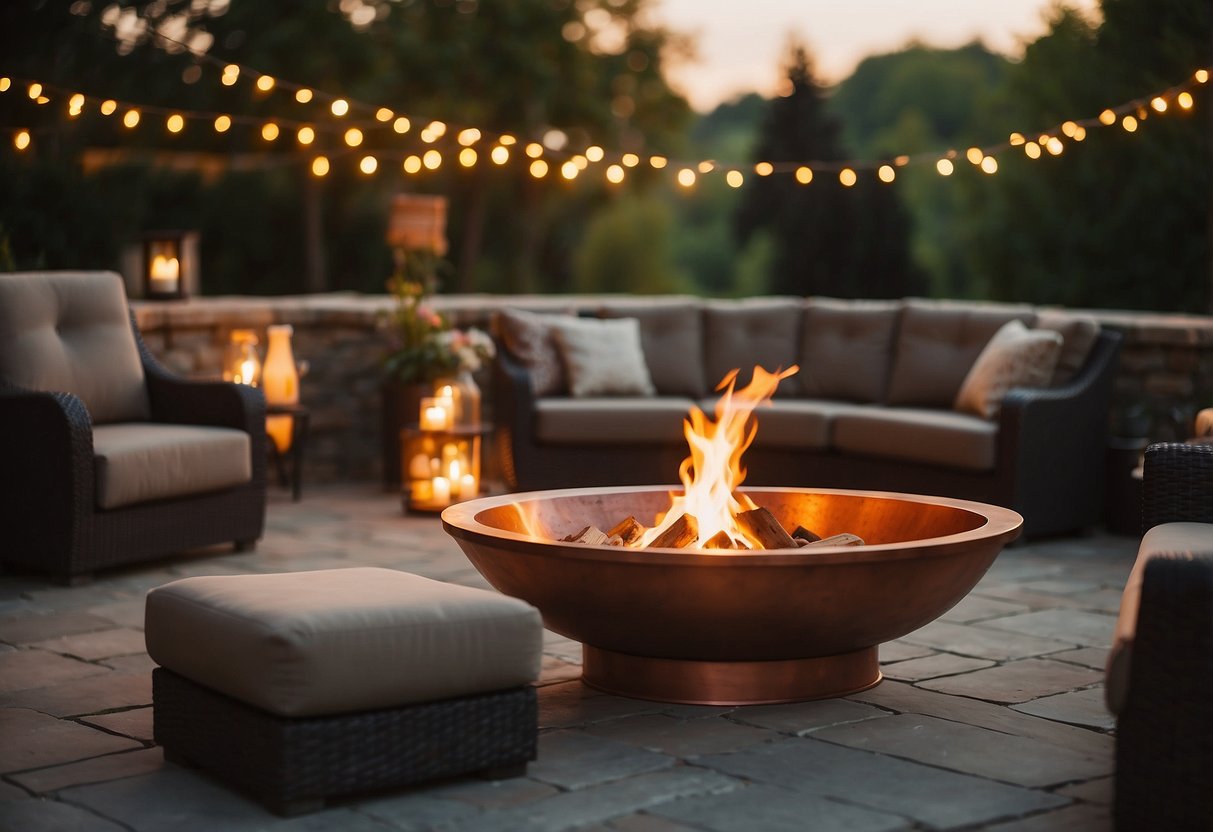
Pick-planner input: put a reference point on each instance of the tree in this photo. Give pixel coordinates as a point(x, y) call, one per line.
point(828, 239)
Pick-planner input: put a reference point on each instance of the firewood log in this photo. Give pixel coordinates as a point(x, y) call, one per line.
point(806, 535)
point(628, 530)
point(720, 540)
point(762, 527)
point(590, 535)
point(844, 539)
point(682, 533)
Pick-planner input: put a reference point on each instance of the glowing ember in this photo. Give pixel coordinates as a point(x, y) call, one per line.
point(713, 472)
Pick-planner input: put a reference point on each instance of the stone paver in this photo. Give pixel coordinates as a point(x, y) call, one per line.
point(969, 749)
point(1080, 707)
point(104, 644)
point(917, 792)
point(1016, 681)
point(930, 667)
point(33, 740)
point(898, 755)
point(776, 810)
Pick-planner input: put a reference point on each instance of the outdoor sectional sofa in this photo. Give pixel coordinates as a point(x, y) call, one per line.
point(872, 406)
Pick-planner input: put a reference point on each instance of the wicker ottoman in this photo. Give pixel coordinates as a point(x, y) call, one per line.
point(300, 687)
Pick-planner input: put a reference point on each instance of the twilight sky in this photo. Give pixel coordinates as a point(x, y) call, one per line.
point(741, 43)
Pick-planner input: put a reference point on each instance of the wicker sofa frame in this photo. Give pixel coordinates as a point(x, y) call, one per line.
point(1049, 467)
point(1164, 742)
point(296, 765)
point(47, 500)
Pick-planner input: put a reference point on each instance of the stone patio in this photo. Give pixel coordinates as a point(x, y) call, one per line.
point(990, 718)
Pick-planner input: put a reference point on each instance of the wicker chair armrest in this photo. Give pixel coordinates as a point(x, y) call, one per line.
point(47, 453)
point(1164, 747)
point(1178, 484)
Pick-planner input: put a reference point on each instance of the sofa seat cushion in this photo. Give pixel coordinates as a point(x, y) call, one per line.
point(341, 640)
point(806, 424)
point(605, 421)
point(1168, 539)
point(933, 437)
point(846, 349)
point(937, 343)
point(135, 462)
point(71, 332)
point(756, 331)
point(671, 333)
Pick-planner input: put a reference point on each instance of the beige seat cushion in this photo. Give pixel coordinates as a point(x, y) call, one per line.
point(933, 437)
point(342, 640)
point(846, 349)
point(135, 462)
point(611, 420)
point(1015, 357)
point(756, 331)
point(937, 343)
point(1169, 539)
point(603, 357)
point(805, 424)
point(671, 334)
point(1078, 333)
point(71, 332)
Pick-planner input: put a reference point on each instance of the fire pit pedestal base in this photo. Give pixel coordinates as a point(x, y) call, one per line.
point(729, 683)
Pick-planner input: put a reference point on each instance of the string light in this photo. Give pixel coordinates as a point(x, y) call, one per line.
point(175, 123)
point(686, 177)
point(534, 150)
point(734, 178)
point(1107, 118)
point(130, 118)
point(569, 170)
point(303, 95)
point(368, 165)
point(223, 124)
point(580, 161)
point(847, 177)
point(265, 83)
point(21, 140)
point(1129, 123)
point(467, 157)
point(412, 164)
point(804, 174)
point(339, 107)
point(975, 155)
point(305, 135)
point(5, 83)
point(1184, 100)
point(383, 114)
point(500, 155)
point(109, 107)
point(1069, 128)
point(658, 162)
point(945, 167)
point(401, 124)
point(595, 153)
point(1201, 76)
point(764, 168)
point(231, 73)
point(468, 137)
point(707, 167)
point(539, 168)
point(1016, 139)
point(75, 105)
point(1055, 146)
point(269, 131)
point(432, 160)
point(630, 160)
point(989, 165)
point(35, 91)
point(614, 174)
point(353, 137)
point(507, 140)
point(320, 166)
point(886, 173)
point(1031, 150)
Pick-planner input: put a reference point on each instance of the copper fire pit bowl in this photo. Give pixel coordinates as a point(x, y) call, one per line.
point(734, 627)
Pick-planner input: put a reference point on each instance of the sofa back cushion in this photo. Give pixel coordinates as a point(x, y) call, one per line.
point(756, 331)
point(937, 343)
point(846, 349)
point(671, 334)
point(1078, 336)
point(71, 332)
point(531, 339)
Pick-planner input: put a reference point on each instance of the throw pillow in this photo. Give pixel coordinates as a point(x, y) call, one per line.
point(1015, 357)
point(530, 339)
point(603, 357)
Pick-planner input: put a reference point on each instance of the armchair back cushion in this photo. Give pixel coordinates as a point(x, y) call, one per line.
point(846, 348)
point(744, 333)
point(71, 332)
point(936, 345)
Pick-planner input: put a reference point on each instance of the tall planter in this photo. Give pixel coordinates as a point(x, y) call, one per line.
point(400, 405)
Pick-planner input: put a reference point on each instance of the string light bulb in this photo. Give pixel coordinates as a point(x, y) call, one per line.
point(269, 131)
point(303, 95)
point(130, 118)
point(945, 167)
point(974, 155)
point(658, 162)
point(468, 137)
point(847, 177)
point(305, 135)
point(594, 153)
point(35, 91)
point(706, 167)
point(534, 150)
point(1129, 123)
point(108, 107)
point(432, 160)
point(1031, 150)
point(467, 157)
point(5, 83)
point(1069, 128)
point(1107, 118)
point(580, 161)
point(265, 83)
point(75, 105)
point(401, 124)
point(614, 174)
point(175, 123)
point(412, 164)
point(764, 168)
point(507, 140)
point(886, 174)
point(231, 73)
point(339, 107)
point(223, 124)
point(1159, 104)
point(353, 137)
point(384, 115)
point(320, 166)
point(989, 165)
point(1017, 139)
point(630, 160)
point(368, 165)
point(1201, 76)
point(569, 170)
point(1184, 100)
point(539, 168)
point(1055, 146)
point(1080, 133)
point(21, 139)
point(804, 174)
point(500, 155)
point(734, 178)
point(686, 177)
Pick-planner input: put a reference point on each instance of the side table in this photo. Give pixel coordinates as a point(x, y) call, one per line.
point(290, 464)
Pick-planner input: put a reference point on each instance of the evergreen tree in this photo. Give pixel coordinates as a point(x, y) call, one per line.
point(828, 239)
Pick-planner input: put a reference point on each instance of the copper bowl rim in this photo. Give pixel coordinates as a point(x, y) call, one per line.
point(460, 521)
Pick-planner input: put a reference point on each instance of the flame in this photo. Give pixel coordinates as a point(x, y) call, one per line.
point(713, 472)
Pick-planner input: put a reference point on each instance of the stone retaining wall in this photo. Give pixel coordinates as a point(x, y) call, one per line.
point(1166, 367)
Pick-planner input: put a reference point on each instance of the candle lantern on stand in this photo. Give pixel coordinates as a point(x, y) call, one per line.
point(242, 364)
point(169, 266)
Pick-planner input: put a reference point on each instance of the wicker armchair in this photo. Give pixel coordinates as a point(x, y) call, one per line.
point(108, 458)
point(1164, 695)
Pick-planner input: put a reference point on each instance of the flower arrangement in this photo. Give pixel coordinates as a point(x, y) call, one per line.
point(422, 344)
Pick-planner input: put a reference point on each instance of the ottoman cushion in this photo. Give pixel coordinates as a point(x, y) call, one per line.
point(343, 640)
